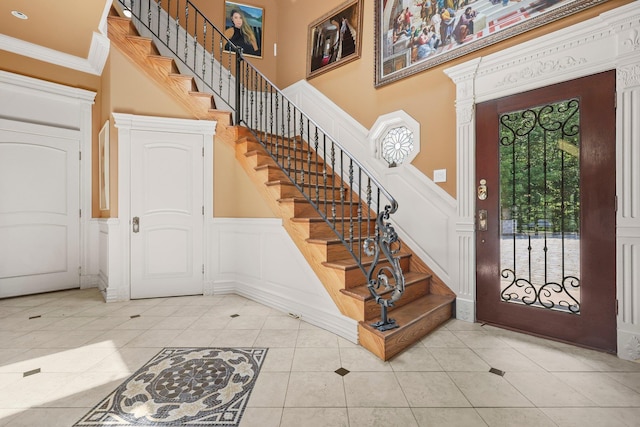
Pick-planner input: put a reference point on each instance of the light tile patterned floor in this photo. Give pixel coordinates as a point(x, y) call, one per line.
point(84, 348)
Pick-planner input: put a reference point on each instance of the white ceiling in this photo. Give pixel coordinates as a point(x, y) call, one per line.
point(70, 33)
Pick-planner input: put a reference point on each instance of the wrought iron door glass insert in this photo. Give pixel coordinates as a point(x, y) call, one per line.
point(540, 206)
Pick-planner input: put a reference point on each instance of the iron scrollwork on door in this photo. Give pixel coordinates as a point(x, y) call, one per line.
point(388, 278)
point(540, 206)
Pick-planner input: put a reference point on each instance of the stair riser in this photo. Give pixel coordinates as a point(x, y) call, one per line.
point(354, 277)
point(285, 190)
point(163, 63)
point(405, 337)
point(312, 177)
point(411, 293)
point(122, 26)
point(274, 173)
point(322, 229)
point(368, 309)
point(259, 159)
point(205, 101)
point(187, 84)
point(143, 46)
point(336, 251)
point(303, 209)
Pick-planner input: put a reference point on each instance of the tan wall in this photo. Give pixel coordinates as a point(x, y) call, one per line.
point(131, 92)
point(428, 97)
point(18, 64)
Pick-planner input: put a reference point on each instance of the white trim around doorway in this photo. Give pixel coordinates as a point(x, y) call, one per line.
point(609, 41)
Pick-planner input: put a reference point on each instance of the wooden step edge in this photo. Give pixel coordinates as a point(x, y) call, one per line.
point(279, 182)
point(346, 264)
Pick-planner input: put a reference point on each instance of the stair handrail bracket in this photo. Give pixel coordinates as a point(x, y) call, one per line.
point(345, 195)
point(385, 240)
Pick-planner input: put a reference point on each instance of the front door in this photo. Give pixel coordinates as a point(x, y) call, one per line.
point(167, 214)
point(545, 212)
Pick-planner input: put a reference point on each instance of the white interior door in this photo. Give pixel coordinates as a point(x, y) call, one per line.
point(39, 209)
point(167, 204)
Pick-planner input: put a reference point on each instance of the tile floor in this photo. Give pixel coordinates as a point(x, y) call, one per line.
point(61, 353)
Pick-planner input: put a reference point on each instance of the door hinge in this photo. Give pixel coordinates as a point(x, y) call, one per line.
point(202, 268)
point(79, 270)
point(79, 155)
point(202, 151)
point(616, 203)
point(617, 307)
point(80, 212)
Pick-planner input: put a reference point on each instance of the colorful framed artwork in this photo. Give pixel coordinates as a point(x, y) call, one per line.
point(414, 35)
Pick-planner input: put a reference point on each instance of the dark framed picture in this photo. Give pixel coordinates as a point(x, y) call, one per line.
point(244, 27)
point(335, 38)
point(414, 35)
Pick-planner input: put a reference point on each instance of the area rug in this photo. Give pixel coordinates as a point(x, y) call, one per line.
point(194, 387)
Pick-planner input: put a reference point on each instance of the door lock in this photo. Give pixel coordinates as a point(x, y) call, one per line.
point(482, 220)
point(136, 224)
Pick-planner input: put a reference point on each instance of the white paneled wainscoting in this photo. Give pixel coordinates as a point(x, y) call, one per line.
point(254, 258)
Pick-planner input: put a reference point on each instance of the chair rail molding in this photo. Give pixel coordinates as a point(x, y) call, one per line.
point(608, 41)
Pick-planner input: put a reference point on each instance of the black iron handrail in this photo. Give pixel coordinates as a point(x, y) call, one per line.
point(343, 193)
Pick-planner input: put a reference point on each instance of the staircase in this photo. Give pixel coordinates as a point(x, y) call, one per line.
point(326, 208)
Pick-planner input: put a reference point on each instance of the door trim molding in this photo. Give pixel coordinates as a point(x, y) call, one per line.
point(67, 108)
point(119, 286)
point(608, 41)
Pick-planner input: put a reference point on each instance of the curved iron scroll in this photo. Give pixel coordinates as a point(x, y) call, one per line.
point(386, 277)
point(542, 295)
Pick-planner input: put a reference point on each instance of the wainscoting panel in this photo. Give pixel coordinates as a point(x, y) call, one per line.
point(256, 258)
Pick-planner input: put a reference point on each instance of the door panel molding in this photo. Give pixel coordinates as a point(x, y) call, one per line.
point(609, 41)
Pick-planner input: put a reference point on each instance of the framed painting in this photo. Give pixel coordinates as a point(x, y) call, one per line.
point(244, 25)
point(414, 35)
point(335, 38)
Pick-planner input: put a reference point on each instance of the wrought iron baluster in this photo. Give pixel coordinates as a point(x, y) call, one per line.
point(333, 184)
point(186, 33)
point(204, 51)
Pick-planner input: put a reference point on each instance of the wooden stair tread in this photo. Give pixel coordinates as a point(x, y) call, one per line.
point(362, 292)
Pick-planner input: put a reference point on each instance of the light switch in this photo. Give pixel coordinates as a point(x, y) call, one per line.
point(440, 175)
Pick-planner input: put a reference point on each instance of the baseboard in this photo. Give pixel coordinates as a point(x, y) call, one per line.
point(338, 324)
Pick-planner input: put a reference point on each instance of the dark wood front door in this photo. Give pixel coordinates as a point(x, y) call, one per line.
point(545, 212)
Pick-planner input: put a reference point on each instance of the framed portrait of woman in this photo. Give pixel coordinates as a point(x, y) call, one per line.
point(243, 26)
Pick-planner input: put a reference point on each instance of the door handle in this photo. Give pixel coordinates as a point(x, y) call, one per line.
point(136, 224)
